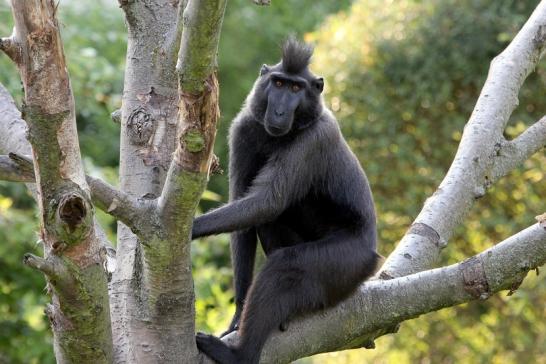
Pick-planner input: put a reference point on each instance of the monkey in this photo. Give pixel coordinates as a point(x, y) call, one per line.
point(295, 184)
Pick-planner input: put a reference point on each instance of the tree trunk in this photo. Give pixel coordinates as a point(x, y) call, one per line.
point(73, 255)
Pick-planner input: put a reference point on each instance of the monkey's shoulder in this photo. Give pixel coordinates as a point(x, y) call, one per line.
point(324, 133)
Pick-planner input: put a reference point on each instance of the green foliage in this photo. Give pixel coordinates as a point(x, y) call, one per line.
point(213, 283)
point(24, 332)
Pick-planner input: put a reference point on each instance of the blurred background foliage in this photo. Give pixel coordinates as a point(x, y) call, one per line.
point(402, 77)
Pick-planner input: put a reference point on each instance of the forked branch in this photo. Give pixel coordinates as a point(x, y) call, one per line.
point(469, 175)
point(513, 153)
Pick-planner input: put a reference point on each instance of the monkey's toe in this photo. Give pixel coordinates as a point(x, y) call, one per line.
point(204, 341)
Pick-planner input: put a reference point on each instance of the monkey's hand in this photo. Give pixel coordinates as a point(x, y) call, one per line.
point(234, 325)
point(197, 228)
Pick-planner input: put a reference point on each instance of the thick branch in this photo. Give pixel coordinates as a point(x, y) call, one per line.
point(379, 305)
point(469, 176)
point(513, 153)
point(199, 47)
point(11, 48)
point(135, 213)
point(161, 312)
point(15, 168)
point(198, 114)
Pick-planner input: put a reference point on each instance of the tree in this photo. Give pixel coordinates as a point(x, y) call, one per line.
point(170, 107)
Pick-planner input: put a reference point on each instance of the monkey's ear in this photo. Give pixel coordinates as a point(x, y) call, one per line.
point(319, 84)
point(264, 69)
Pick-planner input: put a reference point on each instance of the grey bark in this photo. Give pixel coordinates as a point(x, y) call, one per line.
point(148, 131)
point(14, 130)
point(152, 291)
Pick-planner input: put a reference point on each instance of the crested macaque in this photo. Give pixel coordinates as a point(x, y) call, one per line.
point(296, 186)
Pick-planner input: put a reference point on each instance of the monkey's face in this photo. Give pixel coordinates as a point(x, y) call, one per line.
point(282, 101)
point(284, 96)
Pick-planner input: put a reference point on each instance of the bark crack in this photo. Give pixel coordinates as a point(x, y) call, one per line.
point(474, 279)
point(425, 231)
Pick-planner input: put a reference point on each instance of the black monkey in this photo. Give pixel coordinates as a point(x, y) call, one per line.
point(296, 185)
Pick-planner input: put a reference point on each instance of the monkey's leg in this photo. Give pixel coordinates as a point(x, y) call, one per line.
point(299, 279)
point(243, 253)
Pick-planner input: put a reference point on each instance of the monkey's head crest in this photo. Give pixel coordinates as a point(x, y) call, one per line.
point(296, 55)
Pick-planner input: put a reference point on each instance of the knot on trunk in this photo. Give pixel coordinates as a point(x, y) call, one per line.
point(140, 126)
point(70, 214)
point(72, 211)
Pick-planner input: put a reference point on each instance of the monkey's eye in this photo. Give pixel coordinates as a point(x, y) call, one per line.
point(278, 83)
point(296, 88)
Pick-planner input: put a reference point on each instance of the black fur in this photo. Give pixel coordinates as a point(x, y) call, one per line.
point(295, 56)
point(296, 185)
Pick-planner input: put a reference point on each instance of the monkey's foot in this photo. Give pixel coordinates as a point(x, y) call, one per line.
point(215, 349)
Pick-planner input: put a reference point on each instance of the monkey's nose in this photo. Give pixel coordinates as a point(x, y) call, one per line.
point(279, 113)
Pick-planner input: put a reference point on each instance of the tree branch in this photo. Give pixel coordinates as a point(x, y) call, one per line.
point(380, 305)
point(469, 175)
point(513, 153)
point(12, 126)
point(41, 264)
point(150, 105)
point(15, 168)
point(11, 48)
point(135, 213)
point(197, 117)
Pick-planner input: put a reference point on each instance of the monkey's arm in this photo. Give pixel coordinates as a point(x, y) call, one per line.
point(252, 210)
point(285, 178)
